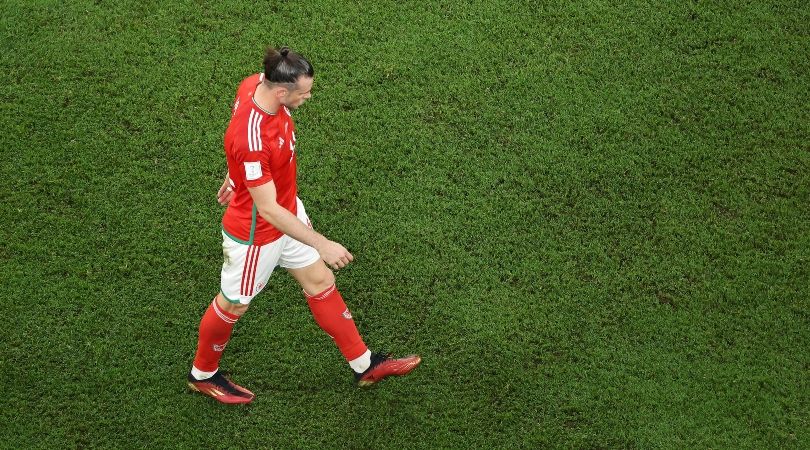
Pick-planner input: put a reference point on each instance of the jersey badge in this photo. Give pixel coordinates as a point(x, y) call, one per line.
point(253, 170)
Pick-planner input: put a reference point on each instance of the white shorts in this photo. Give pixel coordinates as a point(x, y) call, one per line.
point(247, 268)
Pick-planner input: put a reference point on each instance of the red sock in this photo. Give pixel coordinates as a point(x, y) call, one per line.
point(215, 331)
point(334, 317)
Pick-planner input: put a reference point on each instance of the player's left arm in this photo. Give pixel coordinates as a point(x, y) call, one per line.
point(264, 197)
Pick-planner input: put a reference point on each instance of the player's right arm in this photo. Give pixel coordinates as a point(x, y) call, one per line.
point(264, 197)
point(225, 193)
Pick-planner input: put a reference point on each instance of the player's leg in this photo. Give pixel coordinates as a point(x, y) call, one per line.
point(330, 312)
point(244, 274)
point(214, 333)
point(332, 315)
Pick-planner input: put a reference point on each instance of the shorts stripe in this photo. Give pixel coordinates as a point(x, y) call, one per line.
point(253, 270)
point(249, 272)
point(246, 270)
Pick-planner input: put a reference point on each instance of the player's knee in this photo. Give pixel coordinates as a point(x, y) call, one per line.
point(232, 308)
point(320, 281)
point(325, 280)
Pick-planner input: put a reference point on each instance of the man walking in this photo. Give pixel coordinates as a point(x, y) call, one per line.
point(265, 225)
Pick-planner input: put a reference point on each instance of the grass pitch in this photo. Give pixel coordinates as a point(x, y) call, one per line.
point(591, 219)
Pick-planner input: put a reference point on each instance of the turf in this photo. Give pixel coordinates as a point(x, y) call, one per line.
point(590, 218)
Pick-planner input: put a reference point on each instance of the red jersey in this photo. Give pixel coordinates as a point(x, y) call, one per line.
point(259, 147)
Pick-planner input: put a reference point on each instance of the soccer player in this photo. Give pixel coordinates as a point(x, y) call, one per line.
point(265, 225)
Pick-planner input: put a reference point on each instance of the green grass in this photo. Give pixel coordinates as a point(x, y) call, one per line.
point(591, 219)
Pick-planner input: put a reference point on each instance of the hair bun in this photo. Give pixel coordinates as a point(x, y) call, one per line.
point(284, 51)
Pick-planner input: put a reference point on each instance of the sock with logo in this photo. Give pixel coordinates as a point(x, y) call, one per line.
point(334, 318)
point(215, 331)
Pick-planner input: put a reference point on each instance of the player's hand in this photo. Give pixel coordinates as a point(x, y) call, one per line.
point(335, 255)
point(225, 193)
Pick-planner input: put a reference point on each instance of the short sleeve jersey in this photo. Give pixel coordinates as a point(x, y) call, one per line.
point(259, 147)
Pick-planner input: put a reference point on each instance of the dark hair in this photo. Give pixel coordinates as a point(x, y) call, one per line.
point(285, 66)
